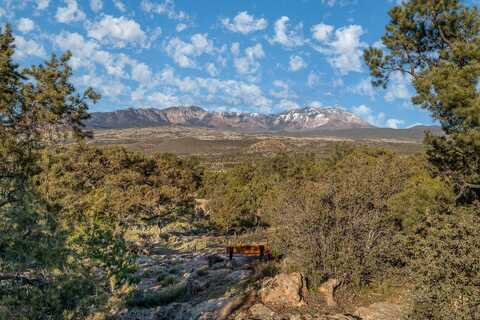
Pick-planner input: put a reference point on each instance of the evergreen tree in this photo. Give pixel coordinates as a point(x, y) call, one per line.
point(437, 44)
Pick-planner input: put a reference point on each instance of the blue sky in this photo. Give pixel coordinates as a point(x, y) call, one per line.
point(256, 56)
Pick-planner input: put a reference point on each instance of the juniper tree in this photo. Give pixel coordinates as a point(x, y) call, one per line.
point(436, 43)
point(37, 104)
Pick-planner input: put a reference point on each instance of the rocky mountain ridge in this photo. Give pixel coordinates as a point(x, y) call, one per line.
point(308, 118)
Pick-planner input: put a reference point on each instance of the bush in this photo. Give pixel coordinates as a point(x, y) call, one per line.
point(339, 226)
point(447, 271)
point(153, 299)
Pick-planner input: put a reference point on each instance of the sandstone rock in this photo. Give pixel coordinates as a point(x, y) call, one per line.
point(284, 290)
point(379, 311)
point(327, 289)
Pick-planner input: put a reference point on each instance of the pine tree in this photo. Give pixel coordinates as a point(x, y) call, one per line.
point(437, 44)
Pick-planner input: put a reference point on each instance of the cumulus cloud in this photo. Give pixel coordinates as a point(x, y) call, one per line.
point(297, 63)
point(107, 87)
point(378, 120)
point(226, 92)
point(184, 53)
point(70, 13)
point(42, 4)
point(141, 73)
point(117, 31)
point(180, 27)
point(287, 36)
point(244, 23)
point(120, 5)
point(25, 25)
point(211, 69)
point(166, 8)
point(247, 63)
point(364, 88)
point(26, 48)
point(397, 87)
point(96, 5)
point(88, 54)
point(282, 90)
point(321, 32)
point(343, 47)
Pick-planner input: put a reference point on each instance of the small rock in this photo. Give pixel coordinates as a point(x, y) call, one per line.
point(379, 311)
point(284, 290)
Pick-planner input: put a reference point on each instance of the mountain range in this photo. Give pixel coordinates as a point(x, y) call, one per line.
point(308, 118)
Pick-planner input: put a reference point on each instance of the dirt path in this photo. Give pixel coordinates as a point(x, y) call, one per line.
point(193, 284)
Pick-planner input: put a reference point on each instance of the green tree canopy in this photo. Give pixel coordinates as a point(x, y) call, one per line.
point(437, 44)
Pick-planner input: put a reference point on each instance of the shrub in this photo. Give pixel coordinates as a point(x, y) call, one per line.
point(340, 226)
point(153, 299)
point(447, 271)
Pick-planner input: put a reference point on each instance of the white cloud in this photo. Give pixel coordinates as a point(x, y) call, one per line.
point(282, 90)
point(120, 5)
point(87, 54)
point(244, 23)
point(111, 88)
point(184, 53)
point(364, 88)
point(378, 120)
point(25, 25)
point(344, 49)
point(42, 4)
point(394, 123)
point(288, 104)
point(397, 87)
point(96, 5)
point(248, 63)
point(287, 37)
point(25, 48)
point(141, 73)
point(211, 69)
point(70, 13)
point(226, 92)
point(166, 8)
point(117, 31)
point(297, 63)
point(321, 32)
point(180, 27)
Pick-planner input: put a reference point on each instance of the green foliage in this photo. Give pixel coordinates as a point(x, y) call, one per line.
point(446, 265)
point(437, 43)
point(236, 195)
point(340, 226)
point(164, 296)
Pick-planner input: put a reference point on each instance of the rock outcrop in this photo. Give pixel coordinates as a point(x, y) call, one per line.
point(286, 290)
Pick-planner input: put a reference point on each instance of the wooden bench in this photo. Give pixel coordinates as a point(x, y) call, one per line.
point(254, 250)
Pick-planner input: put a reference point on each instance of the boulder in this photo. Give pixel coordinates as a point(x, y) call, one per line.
point(379, 311)
point(327, 289)
point(286, 290)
